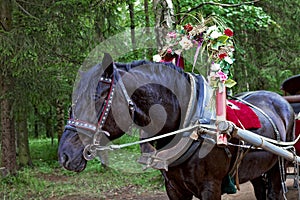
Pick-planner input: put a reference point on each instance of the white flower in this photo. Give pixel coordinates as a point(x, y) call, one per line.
point(212, 28)
point(178, 51)
point(215, 67)
point(215, 34)
point(185, 43)
point(197, 30)
point(212, 75)
point(156, 58)
point(228, 60)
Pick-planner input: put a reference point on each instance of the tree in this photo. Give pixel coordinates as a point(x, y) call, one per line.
point(8, 147)
point(132, 22)
point(164, 19)
point(22, 138)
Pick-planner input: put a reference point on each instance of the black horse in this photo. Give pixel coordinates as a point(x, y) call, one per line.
point(155, 97)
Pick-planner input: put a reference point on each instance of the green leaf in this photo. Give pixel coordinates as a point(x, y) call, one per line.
point(223, 39)
point(230, 83)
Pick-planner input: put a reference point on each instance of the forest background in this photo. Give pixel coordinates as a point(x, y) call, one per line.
point(44, 43)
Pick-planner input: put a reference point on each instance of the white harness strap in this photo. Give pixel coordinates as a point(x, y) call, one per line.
point(162, 158)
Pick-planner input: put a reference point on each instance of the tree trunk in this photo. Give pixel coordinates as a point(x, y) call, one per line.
point(36, 121)
point(164, 19)
point(149, 52)
point(6, 15)
point(8, 146)
point(146, 9)
point(132, 23)
point(48, 124)
point(60, 117)
point(22, 139)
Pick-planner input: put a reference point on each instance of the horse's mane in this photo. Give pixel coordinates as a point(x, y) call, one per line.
point(136, 63)
point(87, 81)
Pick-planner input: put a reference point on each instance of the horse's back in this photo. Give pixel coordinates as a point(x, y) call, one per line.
point(272, 108)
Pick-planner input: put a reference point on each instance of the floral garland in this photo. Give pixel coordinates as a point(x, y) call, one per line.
point(217, 41)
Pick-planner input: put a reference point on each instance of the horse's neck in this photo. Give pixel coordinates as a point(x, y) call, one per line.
point(166, 98)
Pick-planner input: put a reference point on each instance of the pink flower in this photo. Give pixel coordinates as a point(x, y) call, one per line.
point(169, 50)
point(228, 32)
point(222, 75)
point(172, 34)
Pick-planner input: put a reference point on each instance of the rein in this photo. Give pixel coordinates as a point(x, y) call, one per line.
point(202, 129)
point(114, 147)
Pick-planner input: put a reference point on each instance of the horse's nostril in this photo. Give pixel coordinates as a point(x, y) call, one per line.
point(64, 158)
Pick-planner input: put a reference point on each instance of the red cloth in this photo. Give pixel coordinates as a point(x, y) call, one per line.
point(242, 115)
point(178, 63)
point(297, 132)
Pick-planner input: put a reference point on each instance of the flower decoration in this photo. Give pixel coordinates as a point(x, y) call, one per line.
point(208, 36)
point(228, 32)
point(188, 27)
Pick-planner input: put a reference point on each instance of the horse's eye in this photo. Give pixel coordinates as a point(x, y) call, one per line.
point(96, 96)
point(103, 95)
point(101, 91)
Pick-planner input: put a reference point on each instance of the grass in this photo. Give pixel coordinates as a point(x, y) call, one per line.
point(47, 180)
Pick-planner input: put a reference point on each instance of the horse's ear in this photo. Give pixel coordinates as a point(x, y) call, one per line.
point(107, 64)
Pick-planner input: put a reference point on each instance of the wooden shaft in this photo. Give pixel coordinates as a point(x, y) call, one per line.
point(258, 141)
point(293, 98)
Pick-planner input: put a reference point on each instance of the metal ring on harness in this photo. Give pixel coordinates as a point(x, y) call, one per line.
point(89, 152)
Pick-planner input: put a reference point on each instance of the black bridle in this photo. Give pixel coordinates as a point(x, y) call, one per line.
point(103, 112)
point(96, 130)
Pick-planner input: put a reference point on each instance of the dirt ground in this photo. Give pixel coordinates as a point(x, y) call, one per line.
point(245, 193)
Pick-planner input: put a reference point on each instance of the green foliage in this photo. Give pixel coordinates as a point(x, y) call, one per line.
point(266, 39)
point(269, 54)
point(48, 180)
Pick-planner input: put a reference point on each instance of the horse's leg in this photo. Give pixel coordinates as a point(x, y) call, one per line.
point(259, 185)
point(174, 193)
point(211, 190)
point(275, 191)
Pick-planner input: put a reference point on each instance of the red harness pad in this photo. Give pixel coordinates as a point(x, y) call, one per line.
point(297, 132)
point(241, 115)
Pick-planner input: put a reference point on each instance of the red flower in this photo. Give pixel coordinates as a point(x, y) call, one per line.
point(222, 55)
point(188, 27)
point(228, 32)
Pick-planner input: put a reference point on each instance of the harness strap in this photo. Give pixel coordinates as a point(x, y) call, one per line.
point(127, 98)
point(113, 146)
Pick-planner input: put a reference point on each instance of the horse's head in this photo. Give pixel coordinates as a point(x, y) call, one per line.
point(91, 113)
point(111, 97)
